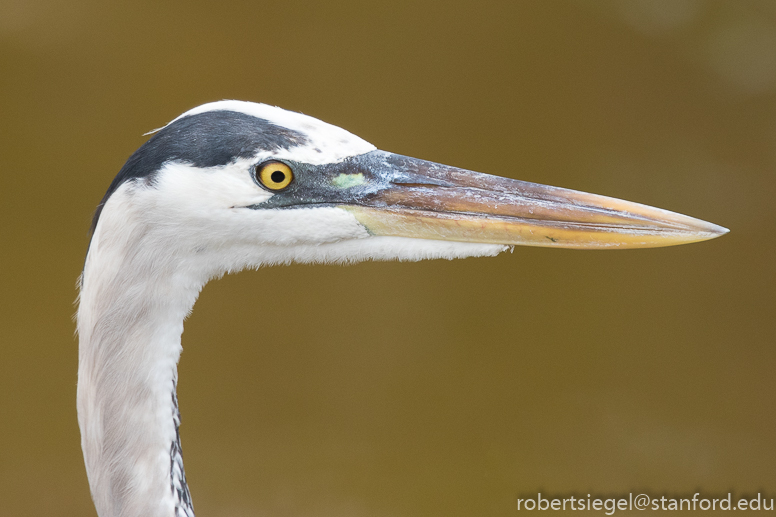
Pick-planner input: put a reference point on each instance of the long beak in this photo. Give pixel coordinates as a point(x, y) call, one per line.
point(400, 196)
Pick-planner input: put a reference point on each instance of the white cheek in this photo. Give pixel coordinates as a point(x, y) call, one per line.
point(297, 226)
point(204, 189)
point(211, 207)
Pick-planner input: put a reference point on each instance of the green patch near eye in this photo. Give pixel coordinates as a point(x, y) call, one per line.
point(348, 180)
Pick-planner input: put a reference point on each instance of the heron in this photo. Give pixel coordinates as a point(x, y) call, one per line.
point(232, 185)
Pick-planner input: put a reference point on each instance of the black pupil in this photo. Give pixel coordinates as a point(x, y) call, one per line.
point(278, 176)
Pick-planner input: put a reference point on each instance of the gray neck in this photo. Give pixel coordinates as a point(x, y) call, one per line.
point(130, 321)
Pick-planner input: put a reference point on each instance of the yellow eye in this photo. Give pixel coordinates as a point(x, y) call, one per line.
point(274, 175)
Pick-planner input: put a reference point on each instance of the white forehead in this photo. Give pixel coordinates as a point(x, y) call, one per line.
point(326, 143)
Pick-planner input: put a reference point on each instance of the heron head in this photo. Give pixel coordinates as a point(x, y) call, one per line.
point(248, 184)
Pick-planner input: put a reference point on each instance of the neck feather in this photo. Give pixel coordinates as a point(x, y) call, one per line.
point(130, 320)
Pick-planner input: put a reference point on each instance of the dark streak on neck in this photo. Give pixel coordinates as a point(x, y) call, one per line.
point(178, 485)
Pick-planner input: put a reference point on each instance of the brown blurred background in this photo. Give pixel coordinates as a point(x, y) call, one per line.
point(437, 388)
